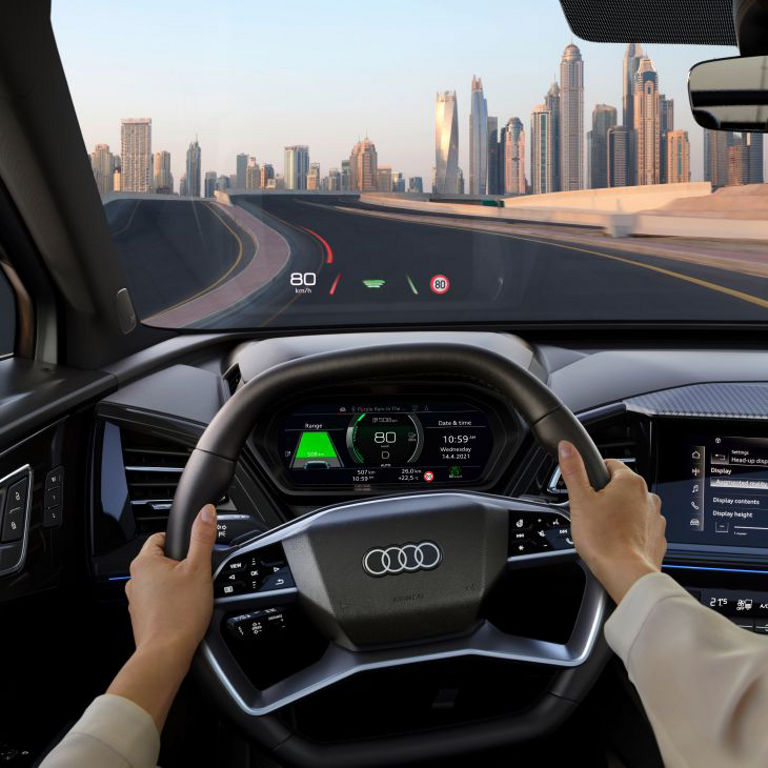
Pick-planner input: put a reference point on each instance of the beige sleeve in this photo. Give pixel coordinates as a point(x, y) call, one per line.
point(703, 680)
point(112, 733)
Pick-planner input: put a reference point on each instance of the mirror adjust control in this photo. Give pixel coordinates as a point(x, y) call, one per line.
point(52, 498)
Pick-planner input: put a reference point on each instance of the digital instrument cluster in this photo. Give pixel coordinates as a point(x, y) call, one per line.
point(399, 442)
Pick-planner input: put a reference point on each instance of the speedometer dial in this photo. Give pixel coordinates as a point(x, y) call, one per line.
point(385, 439)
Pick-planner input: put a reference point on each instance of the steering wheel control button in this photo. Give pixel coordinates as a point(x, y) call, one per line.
point(535, 533)
point(258, 624)
point(261, 571)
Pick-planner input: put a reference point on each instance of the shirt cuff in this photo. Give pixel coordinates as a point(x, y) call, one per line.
point(626, 622)
point(123, 726)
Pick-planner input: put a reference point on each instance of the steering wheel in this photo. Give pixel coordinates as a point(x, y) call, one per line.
point(393, 580)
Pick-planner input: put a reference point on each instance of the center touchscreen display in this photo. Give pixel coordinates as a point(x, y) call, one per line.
point(714, 485)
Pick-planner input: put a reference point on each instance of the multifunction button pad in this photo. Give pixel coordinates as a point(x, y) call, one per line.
point(533, 533)
point(263, 570)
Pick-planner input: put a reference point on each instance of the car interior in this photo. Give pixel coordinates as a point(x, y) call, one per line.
point(370, 380)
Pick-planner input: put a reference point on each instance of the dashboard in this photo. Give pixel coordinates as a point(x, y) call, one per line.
point(376, 443)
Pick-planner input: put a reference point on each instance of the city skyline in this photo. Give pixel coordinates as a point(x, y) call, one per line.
point(558, 160)
point(276, 101)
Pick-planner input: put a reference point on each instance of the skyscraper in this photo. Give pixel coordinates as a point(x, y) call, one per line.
point(738, 164)
point(716, 146)
point(267, 174)
point(241, 164)
point(572, 119)
point(384, 178)
point(162, 177)
point(755, 169)
point(334, 180)
point(446, 144)
point(667, 120)
point(552, 103)
point(313, 177)
point(632, 57)
point(222, 183)
point(296, 166)
point(603, 119)
point(647, 108)
point(478, 139)
point(620, 156)
point(136, 154)
point(209, 186)
point(346, 176)
point(416, 185)
point(193, 169)
point(252, 175)
point(513, 154)
point(103, 165)
point(541, 150)
point(493, 185)
point(363, 166)
point(398, 181)
point(678, 156)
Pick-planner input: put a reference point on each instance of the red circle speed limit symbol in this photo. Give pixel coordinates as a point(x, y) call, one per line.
point(439, 284)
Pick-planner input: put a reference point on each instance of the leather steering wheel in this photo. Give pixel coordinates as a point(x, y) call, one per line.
point(453, 547)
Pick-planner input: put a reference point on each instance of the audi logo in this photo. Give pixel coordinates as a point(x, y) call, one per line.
point(403, 558)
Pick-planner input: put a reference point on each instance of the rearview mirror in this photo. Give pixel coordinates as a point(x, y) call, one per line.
point(731, 94)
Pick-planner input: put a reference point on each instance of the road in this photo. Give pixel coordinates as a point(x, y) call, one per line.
point(172, 249)
point(510, 277)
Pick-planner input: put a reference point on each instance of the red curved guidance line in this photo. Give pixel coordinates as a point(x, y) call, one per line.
point(328, 249)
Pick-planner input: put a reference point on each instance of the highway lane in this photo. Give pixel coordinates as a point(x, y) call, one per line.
point(173, 249)
point(493, 277)
point(348, 267)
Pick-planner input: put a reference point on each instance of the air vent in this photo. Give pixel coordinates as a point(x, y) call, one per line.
point(153, 467)
point(624, 438)
point(233, 377)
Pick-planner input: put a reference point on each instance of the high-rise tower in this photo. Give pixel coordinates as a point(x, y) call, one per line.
point(513, 154)
point(478, 139)
point(632, 57)
point(552, 103)
point(572, 119)
point(603, 119)
point(296, 166)
point(647, 112)
point(193, 169)
point(363, 166)
point(542, 140)
point(446, 144)
point(136, 154)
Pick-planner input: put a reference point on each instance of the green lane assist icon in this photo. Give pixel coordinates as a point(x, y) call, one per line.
point(374, 283)
point(315, 451)
point(454, 471)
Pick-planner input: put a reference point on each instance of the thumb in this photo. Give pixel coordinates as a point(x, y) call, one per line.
point(573, 470)
point(202, 537)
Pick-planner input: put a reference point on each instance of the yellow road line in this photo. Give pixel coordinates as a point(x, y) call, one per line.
point(748, 297)
point(223, 277)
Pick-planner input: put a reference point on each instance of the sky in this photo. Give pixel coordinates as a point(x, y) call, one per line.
point(253, 77)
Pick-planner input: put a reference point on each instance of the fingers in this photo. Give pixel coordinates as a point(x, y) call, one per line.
point(154, 545)
point(203, 537)
point(573, 471)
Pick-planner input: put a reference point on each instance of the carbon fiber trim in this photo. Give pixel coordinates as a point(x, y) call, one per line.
point(703, 22)
point(717, 400)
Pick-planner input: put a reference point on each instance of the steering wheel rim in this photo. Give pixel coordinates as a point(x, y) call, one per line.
point(211, 468)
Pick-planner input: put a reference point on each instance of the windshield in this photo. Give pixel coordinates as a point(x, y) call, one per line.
point(331, 164)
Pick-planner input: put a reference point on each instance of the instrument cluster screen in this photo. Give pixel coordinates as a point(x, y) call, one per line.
point(714, 487)
point(386, 443)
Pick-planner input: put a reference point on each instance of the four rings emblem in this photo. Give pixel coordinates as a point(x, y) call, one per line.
point(403, 558)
